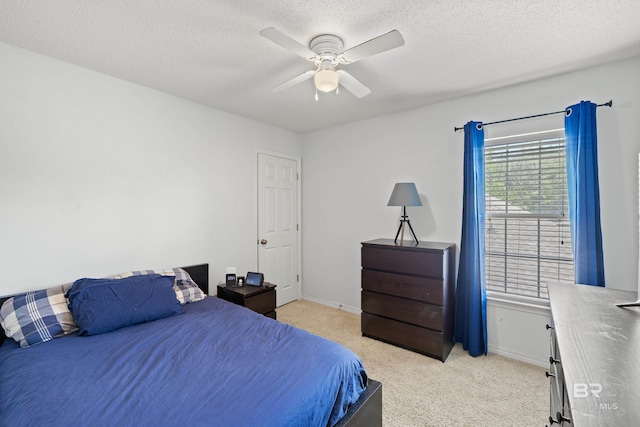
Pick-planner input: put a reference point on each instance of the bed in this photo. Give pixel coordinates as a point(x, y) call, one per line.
point(207, 362)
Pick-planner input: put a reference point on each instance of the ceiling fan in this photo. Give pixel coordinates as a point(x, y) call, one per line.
point(326, 51)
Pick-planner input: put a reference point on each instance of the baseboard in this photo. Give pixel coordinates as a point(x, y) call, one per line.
point(543, 363)
point(332, 304)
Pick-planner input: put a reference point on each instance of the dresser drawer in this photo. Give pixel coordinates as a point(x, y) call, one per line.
point(405, 310)
point(262, 303)
point(412, 287)
point(412, 337)
point(417, 263)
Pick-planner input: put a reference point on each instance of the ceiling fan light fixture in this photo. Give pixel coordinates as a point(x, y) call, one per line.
point(327, 51)
point(326, 80)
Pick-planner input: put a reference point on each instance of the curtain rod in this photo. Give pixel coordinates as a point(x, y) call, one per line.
point(608, 104)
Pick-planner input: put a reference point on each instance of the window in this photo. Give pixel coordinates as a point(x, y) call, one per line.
point(527, 234)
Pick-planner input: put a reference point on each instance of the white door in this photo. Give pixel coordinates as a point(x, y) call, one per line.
point(278, 225)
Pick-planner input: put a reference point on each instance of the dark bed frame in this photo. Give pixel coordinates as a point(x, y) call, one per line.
point(366, 412)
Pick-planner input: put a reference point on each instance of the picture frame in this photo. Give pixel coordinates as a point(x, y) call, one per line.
point(230, 279)
point(254, 279)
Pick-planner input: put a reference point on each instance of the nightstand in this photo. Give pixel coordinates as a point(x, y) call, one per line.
point(261, 299)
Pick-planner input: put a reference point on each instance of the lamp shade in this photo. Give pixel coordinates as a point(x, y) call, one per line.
point(404, 194)
point(326, 80)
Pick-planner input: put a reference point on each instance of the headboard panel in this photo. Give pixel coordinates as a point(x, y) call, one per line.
point(199, 273)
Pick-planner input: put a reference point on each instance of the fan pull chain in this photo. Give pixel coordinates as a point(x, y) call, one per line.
point(316, 94)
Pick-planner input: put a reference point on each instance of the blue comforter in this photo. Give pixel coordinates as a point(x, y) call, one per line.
point(217, 364)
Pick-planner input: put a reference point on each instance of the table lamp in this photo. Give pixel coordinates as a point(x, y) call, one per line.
point(404, 194)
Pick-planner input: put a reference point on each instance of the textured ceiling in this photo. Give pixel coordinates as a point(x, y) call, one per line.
point(210, 52)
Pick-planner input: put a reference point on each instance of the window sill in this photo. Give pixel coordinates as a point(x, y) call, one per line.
point(514, 302)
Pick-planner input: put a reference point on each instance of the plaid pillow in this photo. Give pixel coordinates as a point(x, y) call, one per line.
point(37, 317)
point(185, 288)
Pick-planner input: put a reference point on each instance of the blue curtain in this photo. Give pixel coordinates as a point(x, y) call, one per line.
point(471, 299)
point(584, 194)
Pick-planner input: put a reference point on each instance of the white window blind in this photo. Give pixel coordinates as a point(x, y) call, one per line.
point(527, 235)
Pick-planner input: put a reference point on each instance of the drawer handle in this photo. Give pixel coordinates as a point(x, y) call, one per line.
point(548, 326)
point(553, 361)
point(563, 419)
point(560, 419)
point(547, 374)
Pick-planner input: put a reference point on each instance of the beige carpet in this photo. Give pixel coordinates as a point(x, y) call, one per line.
point(420, 391)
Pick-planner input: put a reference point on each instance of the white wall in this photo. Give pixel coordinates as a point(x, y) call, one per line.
point(349, 173)
point(98, 175)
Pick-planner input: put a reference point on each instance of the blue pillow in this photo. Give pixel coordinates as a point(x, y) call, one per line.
point(104, 305)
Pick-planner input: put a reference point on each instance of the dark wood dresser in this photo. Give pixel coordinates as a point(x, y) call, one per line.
point(595, 357)
point(408, 294)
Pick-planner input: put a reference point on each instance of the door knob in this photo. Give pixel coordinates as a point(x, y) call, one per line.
point(263, 242)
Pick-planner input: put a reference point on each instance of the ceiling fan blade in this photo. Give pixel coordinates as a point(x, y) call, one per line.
point(352, 84)
point(380, 44)
point(287, 42)
point(294, 81)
